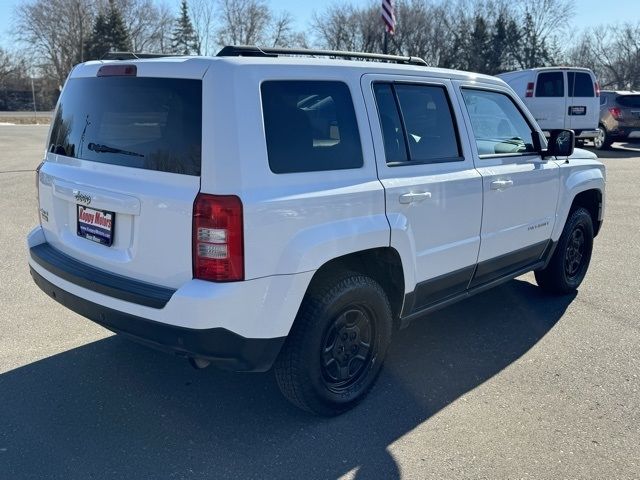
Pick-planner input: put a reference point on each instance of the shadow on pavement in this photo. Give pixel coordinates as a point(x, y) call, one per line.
point(618, 150)
point(113, 409)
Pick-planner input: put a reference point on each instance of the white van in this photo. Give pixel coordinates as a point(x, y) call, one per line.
point(559, 97)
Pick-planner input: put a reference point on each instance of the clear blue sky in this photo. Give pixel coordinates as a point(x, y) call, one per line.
point(587, 12)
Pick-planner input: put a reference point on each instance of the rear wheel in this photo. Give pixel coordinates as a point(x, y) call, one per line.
point(337, 344)
point(570, 261)
point(603, 140)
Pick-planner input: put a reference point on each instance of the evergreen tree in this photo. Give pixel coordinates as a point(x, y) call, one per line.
point(478, 46)
point(119, 36)
point(183, 39)
point(498, 50)
point(109, 34)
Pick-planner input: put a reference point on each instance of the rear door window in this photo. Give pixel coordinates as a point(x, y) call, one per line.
point(139, 122)
point(395, 147)
point(310, 126)
point(417, 124)
point(428, 121)
point(550, 84)
point(580, 84)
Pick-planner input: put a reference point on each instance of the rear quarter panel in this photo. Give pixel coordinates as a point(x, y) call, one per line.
point(293, 222)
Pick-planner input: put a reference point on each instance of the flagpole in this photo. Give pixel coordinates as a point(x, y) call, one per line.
point(389, 22)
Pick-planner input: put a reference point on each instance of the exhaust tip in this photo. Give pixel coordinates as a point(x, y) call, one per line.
point(199, 363)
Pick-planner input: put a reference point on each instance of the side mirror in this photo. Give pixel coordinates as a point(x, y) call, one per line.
point(561, 143)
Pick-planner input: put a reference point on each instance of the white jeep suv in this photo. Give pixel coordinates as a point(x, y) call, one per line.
point(259, 209)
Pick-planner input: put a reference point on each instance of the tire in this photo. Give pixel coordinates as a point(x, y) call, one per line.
point(570, 261)
point(603, 141)
point(325, 367)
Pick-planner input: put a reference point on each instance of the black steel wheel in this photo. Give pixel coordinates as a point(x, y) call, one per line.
point(570, 261)
point(347, 348)
point(338, 342)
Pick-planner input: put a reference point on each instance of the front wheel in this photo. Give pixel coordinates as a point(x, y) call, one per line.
point(570, 261)
point(337, 344)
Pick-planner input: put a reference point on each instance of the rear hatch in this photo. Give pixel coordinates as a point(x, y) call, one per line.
point(122, 168)
point(630, 110)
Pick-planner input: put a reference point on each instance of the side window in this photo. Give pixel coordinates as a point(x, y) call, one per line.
point(580, 84)
point(417, 124)
point(310, 126)
point(498, 126)
point(603, 99)
point(395, 148)
point(550, 84)
point(428, 121)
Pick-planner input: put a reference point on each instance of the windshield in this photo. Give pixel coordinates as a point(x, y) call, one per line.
point(150, 123)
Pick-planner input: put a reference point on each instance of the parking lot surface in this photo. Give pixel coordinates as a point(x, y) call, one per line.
point(508, 384)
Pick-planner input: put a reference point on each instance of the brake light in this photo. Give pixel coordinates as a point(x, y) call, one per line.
point(529, 92)
point(118, 71)
point(596, 85)
point(218, 246)
point(616, 113)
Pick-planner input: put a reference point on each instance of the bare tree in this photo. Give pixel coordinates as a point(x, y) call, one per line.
point(244, 22)
point(203, 15)
point(38, 26)
point(7, 66)
point(542, 23)
point(612, 52)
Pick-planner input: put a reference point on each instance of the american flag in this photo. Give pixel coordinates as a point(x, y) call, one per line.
point(388, 16)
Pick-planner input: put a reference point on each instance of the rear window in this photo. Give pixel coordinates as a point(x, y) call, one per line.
point(550, 84)
point(310, 126)
point(580, 84)
point(632, 101)
point(149, 123)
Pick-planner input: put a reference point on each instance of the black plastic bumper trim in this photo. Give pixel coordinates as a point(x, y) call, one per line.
point(223, 348)
point(98, 280)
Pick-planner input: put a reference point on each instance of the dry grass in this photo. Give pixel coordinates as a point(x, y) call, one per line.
point(39, 120)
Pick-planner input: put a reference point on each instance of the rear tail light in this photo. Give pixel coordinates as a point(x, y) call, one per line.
point(596, 85)
point(218, 246)
point(529, 92)
point(616, 113)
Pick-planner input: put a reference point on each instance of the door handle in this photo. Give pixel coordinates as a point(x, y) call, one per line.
point(501, 184)
point(414, 197)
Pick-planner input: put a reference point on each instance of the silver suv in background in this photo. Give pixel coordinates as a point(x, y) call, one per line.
point(619, 118)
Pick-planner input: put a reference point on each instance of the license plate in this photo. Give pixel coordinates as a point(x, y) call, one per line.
point(96, 225)
point(577, 110)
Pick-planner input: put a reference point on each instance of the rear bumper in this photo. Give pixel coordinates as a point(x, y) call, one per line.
point(623, 133)
point(581, 134)
point(586, 134)
point(237, 325)
point(223, 348)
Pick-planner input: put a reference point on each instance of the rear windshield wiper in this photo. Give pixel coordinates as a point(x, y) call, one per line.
point(96, 147)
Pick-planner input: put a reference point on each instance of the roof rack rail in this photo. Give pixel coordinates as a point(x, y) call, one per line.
point(135, 55)
point(253, 51)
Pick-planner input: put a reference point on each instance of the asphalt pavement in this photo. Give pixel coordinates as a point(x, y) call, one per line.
point(511, 383)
